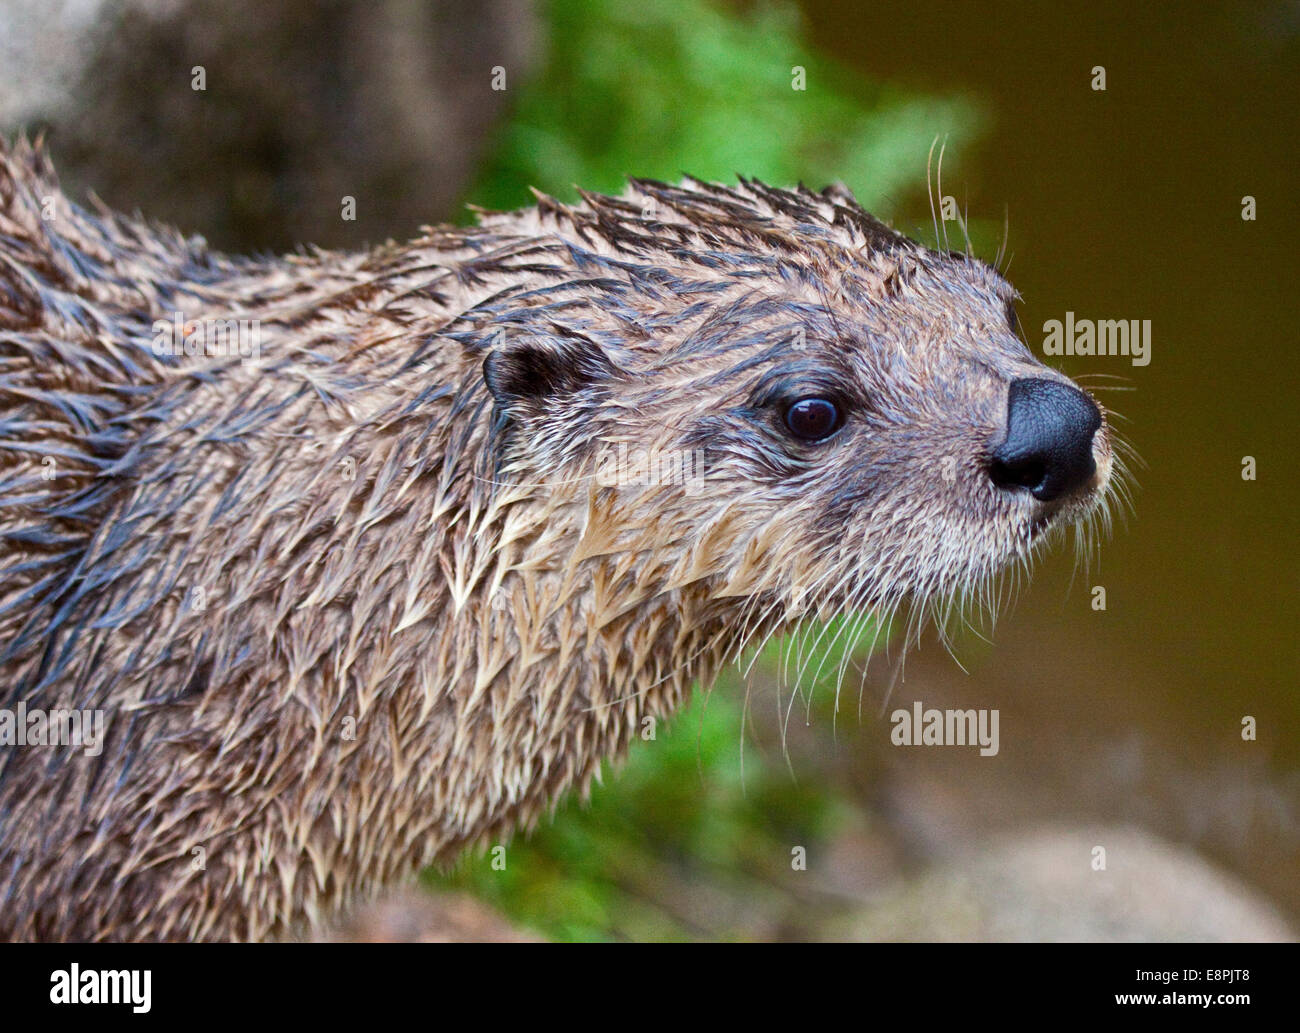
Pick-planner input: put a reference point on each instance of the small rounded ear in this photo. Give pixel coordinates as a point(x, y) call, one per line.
point(521, 375)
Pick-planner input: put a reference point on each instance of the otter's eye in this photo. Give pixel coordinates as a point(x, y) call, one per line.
point(811, 419)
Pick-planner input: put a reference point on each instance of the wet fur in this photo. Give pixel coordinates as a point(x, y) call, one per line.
point(392, 517)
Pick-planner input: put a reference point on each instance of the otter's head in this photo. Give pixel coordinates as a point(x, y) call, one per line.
point(779, 402)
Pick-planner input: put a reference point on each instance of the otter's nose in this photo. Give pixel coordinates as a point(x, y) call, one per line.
point(1048, 447)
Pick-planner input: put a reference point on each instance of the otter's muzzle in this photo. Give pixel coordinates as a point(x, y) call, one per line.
point(1048, 447)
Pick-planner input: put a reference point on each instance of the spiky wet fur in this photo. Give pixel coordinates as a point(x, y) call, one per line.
point(422, 619)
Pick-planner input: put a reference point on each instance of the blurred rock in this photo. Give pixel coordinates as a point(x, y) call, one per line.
point(389, 102)
point(412, 916)
point(1040, 887)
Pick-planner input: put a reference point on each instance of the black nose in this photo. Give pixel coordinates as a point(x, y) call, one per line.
point(1048, 447)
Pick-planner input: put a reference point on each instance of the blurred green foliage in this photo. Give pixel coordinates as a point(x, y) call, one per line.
point(657, 90)
point(693, 807)
point(687, 806)
point(663, 89)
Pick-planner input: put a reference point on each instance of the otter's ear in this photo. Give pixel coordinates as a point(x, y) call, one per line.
point(522, 375)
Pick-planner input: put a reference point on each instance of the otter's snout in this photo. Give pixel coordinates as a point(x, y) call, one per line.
point(1048, 447)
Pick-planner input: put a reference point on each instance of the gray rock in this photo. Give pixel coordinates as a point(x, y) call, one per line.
point(1041, 887)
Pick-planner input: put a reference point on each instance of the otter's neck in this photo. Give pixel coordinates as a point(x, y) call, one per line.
point(336, 637)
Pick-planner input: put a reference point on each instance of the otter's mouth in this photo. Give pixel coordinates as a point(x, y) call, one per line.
point(1073, 507)
point(1039, 523)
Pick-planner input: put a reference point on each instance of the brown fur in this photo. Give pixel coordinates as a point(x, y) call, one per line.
point(360, 602)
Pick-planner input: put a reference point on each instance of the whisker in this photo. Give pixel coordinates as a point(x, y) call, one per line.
point(929, 190)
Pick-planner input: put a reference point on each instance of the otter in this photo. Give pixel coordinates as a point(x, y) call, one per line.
point(349, 585)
